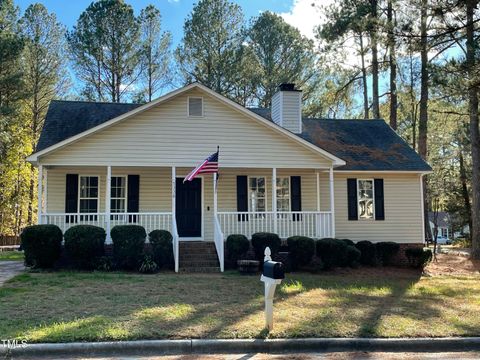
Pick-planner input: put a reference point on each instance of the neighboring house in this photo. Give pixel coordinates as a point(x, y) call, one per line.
point(444, 224)
point(125, 163)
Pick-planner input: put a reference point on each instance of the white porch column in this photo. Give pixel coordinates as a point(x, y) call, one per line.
point(40, 195)
point(274, 199)
point(174, 179)
point(332, 201)
point(318, 190)
point(108, 186)
point(215, 183)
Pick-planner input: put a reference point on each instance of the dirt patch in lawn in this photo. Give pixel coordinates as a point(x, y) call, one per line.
point(452, 264)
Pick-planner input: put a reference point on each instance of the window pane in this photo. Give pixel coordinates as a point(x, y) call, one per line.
point(365, 199)
point(88, 205)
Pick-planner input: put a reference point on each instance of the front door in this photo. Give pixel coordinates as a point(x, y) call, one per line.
point(188, 205)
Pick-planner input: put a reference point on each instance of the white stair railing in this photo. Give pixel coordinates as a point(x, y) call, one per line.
point(218, 237)
point(175, 243)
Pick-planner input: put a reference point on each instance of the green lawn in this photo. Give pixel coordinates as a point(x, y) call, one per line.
point(65, 306)
point(11, 255)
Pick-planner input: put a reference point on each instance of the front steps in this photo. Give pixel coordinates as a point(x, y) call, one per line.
point(198, 257)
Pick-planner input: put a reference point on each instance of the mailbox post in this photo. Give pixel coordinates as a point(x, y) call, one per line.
point(272, 275)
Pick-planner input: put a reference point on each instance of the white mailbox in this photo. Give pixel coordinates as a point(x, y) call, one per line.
point(272, 275)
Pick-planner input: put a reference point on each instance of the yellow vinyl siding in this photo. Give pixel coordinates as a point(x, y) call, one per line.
point(403, 215)
point(164, 135)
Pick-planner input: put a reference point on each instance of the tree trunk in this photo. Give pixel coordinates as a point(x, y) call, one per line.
point(374, 47)
point(423, 119)
point(465, 194)
point(474, 130)
point(393, 66)
point(364, 79)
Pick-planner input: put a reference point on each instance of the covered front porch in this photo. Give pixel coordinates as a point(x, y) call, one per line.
point(286, 201)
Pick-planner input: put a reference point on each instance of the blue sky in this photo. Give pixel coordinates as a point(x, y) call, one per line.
point(173, 12)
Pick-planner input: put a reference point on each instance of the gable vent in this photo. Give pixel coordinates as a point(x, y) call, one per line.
point(195, 106)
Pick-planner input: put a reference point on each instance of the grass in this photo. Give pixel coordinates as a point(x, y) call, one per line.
point(68, 306)
point(11, 255)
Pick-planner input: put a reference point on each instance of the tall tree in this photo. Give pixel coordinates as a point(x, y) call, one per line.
point(213, 33)
point(11, 94)
point(155, 52)
point(373, 30)
point(282, 53)
point(104, 47)
point(473, 88)
point(393, 64)
point(45, 73)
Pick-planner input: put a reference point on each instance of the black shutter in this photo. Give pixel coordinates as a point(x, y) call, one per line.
point(352, 199)
point(71, 197)
point(133, 202)
point(242, 196)
point(379, 199)
point(296, 196)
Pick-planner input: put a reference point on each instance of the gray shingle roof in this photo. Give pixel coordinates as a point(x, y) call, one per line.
point(363, 144)
point(68, 118)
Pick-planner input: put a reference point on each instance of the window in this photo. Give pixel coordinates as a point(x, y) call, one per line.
point(118, 194)
point(257, 194)
point(365, 199)
point(283, 194)
point(88, 194)
point(195, 106)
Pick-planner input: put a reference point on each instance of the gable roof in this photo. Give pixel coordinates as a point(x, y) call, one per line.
point(365, 145)
point(49, 138)
point(65, 119)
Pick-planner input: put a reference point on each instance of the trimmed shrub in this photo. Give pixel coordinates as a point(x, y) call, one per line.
point(353, 256)
point(128, 243)
point(42, 245)
point(418, 257)
point(84, 244)
point(161, 242)
point(332, 252)
point(386, 251)
point(236, 245)
point(301, 250)
point(261, 240)
point(368, 253)
point(348, 242)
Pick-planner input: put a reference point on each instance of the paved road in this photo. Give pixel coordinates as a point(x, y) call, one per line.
point(9, 269)
point(291, 356)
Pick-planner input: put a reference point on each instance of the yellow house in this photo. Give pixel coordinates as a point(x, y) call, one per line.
point(106, 164)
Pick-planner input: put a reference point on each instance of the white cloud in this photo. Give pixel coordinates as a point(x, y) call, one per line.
point(306, 17)
point(173, 1)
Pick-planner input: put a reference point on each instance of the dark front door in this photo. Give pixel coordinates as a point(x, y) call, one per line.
point(189, 207)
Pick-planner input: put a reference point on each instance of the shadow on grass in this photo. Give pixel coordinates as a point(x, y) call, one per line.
point(69, 306)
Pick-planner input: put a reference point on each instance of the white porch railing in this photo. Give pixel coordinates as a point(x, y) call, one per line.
point(218, 237)
point(315, 224)
point(150, 221)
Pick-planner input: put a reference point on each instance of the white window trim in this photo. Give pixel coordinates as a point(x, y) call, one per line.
point(250, 191)
point(289, 193)
point(373, 199)
point(188, 106)
point(79, 193)
point(126, 194)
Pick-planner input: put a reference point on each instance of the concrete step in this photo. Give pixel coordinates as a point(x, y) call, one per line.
point(198, 256)
point(190, 257)
point(198, 263)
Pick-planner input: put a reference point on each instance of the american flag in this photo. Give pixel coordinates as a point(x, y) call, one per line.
point(208, 166)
